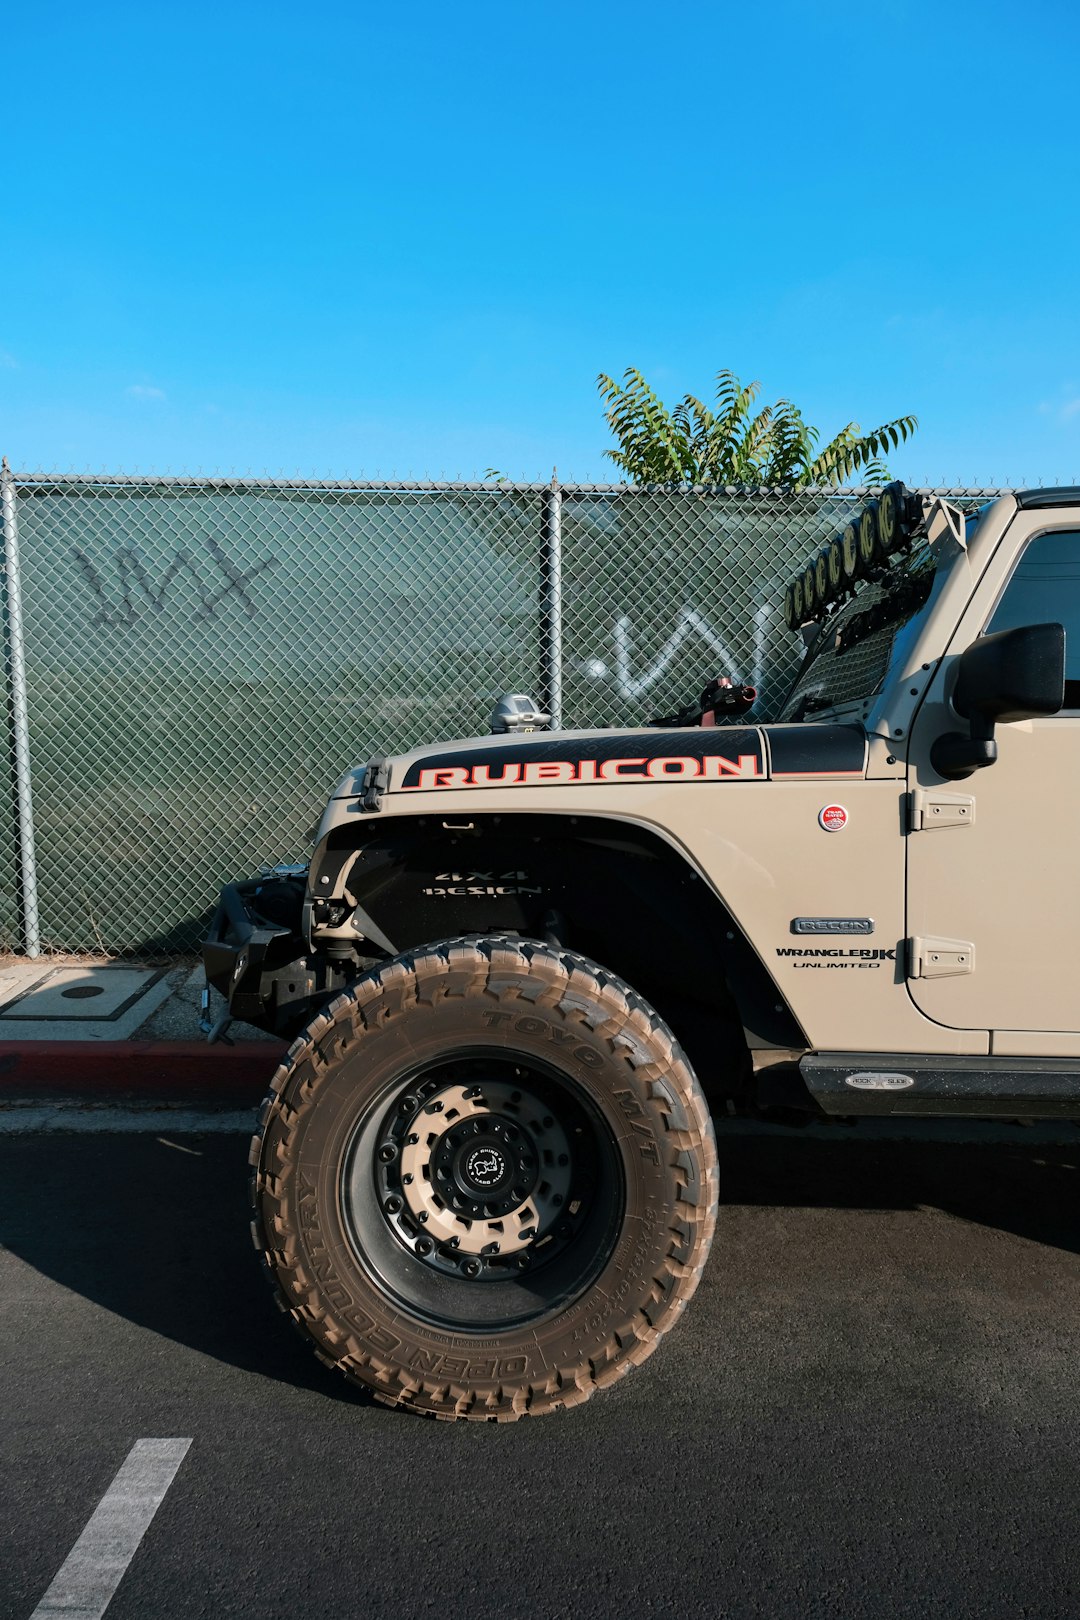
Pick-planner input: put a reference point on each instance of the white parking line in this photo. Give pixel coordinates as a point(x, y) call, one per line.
point(95, 1565)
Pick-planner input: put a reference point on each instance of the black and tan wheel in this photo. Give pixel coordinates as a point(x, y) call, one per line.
point(485, 1180)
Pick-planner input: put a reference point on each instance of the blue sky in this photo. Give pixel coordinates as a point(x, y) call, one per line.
point(364, 240)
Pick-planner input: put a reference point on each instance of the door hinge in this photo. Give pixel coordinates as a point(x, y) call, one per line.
point(933, 809)
point(939, 958)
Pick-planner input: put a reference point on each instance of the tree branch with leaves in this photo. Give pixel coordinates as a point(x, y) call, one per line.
point(736, 442)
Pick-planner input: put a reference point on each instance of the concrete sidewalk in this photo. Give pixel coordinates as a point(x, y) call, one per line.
point(81, 1028)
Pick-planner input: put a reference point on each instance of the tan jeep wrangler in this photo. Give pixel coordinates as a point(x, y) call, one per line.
point(528, 967)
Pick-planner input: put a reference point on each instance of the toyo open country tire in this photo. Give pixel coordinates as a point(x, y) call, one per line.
point(485, 1180)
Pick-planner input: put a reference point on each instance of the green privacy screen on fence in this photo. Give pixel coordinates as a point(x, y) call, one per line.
point(204, 658)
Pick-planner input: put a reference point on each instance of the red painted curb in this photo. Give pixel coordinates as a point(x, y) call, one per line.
point(147, 1071)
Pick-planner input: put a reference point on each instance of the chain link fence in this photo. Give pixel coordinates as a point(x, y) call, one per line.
point(192, 664)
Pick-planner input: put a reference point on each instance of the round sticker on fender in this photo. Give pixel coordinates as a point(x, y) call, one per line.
point(834, 818)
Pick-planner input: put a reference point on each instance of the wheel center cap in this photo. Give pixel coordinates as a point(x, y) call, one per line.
point(486, 1166)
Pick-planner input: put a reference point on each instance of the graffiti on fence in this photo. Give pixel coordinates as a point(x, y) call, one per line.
point(691, 622)
point(137, 591)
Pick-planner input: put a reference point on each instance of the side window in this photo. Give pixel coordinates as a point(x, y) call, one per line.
point(1045, 589)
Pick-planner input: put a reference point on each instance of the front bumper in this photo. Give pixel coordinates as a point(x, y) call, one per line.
point(255, 955)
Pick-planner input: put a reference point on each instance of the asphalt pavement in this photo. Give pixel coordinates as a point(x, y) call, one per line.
point(871, 1408)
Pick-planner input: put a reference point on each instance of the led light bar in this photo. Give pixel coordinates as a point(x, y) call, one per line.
point(884, 527)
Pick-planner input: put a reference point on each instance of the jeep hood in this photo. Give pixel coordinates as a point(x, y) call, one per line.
point(781, 752)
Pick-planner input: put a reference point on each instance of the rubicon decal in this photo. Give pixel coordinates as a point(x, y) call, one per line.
point(565, 761)
point(690, 754)
point(549, 772)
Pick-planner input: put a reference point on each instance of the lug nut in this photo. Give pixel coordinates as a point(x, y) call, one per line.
point(406, 1105)
point(424, 1246)
point(471, 1268)
point(522, 1261)
point(392, 1204)
point(422, 1217)
point(388, 1152)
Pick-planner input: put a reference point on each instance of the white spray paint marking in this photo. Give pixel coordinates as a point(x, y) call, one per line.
point(691, 622)
point(95, 1566)
point(23, 1121)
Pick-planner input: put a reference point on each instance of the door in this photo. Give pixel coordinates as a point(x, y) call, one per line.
point(994, 868)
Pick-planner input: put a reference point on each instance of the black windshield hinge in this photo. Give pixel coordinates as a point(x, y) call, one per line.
point(376, 781)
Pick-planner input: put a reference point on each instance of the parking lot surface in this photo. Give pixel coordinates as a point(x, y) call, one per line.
point(871, 1408)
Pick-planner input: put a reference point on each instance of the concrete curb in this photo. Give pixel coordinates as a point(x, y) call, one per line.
point(138, 1071)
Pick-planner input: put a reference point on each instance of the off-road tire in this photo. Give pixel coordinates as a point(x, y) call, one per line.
point(518, 998)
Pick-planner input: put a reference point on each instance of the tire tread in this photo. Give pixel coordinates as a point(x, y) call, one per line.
point(579, 990)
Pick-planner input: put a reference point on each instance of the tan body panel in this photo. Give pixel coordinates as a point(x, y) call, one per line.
point(761, 848)
point(1008, 884)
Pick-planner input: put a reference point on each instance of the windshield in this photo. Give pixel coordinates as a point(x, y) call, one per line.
point(847, 663)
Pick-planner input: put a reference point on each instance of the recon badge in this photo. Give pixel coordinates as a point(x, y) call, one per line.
point(832, 925)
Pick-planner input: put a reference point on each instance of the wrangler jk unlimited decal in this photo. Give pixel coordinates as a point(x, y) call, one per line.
point(825, 956)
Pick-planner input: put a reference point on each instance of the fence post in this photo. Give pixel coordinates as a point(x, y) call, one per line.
point(553, 603)
point(20, 725)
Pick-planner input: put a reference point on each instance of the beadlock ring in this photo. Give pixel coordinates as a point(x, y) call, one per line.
point(486, 1105)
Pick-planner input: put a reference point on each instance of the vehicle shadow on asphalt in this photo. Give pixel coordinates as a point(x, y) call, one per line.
point(1020, 1183)
point(155, 1229)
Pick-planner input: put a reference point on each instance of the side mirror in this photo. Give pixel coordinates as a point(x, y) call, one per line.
point(1012, 675)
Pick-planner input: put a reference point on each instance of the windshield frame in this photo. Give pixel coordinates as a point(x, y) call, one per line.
point(824, 644)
